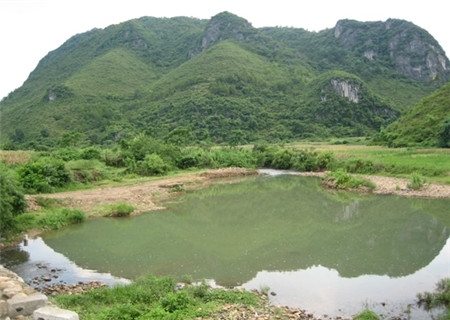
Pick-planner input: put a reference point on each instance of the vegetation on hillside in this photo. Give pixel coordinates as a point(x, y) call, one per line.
point(220, 80)
point(428, 123)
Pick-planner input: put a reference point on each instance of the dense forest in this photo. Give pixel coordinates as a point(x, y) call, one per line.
point(222, 81)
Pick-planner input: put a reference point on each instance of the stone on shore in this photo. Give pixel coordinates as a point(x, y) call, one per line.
point(54, 313)
point(24, 306)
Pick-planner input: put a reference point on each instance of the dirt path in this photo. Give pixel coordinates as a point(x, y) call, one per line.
point(144, 196)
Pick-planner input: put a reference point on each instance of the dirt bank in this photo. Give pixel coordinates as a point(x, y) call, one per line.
point(144, 196)
point(398, 186)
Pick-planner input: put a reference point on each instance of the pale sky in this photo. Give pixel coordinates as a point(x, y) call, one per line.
point(29, 29)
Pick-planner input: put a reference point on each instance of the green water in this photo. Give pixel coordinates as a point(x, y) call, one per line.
point(232, 232)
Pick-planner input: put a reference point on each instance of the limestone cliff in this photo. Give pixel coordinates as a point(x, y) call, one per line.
point(412, 50)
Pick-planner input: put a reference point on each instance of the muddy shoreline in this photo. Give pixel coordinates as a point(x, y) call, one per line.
point(145, 196)
point(397, 186)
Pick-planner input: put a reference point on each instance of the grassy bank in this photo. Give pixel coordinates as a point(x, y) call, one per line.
point(161, 298)
point(145, 159)
point(432, 163)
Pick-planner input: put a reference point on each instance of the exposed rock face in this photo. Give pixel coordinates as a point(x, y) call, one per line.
point(347, 89)
point(414, 52)
point(226, 26)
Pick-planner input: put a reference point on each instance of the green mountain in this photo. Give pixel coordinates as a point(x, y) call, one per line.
point(427, 123)
point(224, 80)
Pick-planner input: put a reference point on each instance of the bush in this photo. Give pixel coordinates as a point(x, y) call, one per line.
point(416, 182)
point(44, 175)
point(56, 219)
point(90, 153)
point(87, 170)
point(283, 159)
point(67, 154)
point(440, 298)
point(305, 161)
point(152, 164)
point(120, 209)
point(12, 201)
point(228, 157)
point(360, 166)
point(367, 315)
point(343, 180)
point(444, 134)
point(176, 301)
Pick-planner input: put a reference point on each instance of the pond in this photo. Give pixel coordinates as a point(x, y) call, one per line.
point(331, 253)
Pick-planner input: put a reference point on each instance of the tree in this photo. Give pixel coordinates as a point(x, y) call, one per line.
point(444, 134)
point(12, 200)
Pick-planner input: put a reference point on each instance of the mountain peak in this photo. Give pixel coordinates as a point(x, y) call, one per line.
point(226, 25)
point(411, 49)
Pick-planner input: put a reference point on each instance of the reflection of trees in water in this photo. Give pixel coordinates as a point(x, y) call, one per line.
point(13, 256)
point(229, 232)
point(348, 212)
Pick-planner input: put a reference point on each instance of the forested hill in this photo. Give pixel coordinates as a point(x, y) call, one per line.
point(223, 80)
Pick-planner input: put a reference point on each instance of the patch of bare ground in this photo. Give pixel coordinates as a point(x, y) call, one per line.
point(398, 186)
point(144, 196)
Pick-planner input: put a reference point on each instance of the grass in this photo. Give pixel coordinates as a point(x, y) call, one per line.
point(432, 163)
point(16, 156)
point(367, 314)
point(343, 180)
point(416, 182)
point(120, 209)
point(438, 299)
point(153, 298)
point(52, 218)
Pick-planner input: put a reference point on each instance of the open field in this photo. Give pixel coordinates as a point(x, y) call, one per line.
point(434, 163)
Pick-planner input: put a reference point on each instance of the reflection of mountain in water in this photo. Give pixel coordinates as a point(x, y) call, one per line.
point(230, 232)
point(12, 256)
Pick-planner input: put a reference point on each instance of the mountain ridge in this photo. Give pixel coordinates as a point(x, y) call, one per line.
point(257, 83)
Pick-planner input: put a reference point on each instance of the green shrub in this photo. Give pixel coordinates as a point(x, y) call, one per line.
point(153, 298)
point(12, 201)
point(438, 299)
point(283, 159)
point(232, 157)
point(120, 209)
point(444, 134)
point(86, 171)
point(67, 154)
point(416, 182)
point(152, 164)
point(176, 301)
point(360, 166)
point(343, 180)
point(367, 315)
point(325, 161)
point(44, 175)
point(90, 153)
point(59, 218)
point(114, 158)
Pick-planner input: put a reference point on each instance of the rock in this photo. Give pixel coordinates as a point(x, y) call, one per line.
point(6, 284)
point(3, 309)
point(54, 313)
point(26, 305)
point(12, 291)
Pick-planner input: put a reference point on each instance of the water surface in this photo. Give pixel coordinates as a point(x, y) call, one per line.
point(330, 253)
